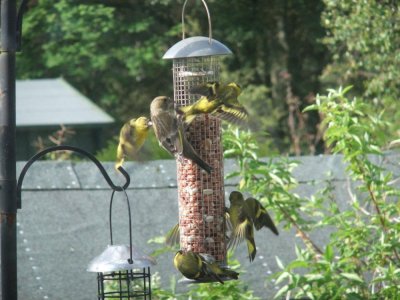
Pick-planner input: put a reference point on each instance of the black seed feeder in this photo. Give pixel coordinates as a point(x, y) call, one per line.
point(201, 195)
point(123, 271)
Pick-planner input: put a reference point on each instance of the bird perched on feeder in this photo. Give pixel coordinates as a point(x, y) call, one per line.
point(218, 100)
point(131, 138)
point(170, 133)
point(200, 266)
point(244, 216)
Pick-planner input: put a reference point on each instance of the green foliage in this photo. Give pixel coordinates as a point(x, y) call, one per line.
point(361, 259)
point(364, 38)
point(105, 50)
point(111, 51)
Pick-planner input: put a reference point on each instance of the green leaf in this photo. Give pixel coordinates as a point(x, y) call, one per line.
point(282, 276)
point(394, 143)
point(282, 291)
point(276, 178)
point(314, 277)
point(329, 252)
point(310, 108)
point(279, 263)
point(297, 264)
point(352, 276)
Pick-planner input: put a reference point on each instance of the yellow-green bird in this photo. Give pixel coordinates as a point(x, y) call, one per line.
point(218, 100)
point(131, 138)
point(170, 133)
point(201, 267)
point(244, 216)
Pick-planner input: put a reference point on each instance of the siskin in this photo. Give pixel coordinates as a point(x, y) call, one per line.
point(170, 133)
point(244, 216)
point(201, 267)
point(218, 100)
point(131, 138)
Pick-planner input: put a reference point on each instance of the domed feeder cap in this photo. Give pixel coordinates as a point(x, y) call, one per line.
point(196, 46)
point(115, 258)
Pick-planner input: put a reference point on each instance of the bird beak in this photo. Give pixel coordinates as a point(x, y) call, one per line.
point(149, 123)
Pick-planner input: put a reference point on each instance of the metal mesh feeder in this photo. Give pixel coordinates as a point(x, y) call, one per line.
point(201, 195)
point(123, 271)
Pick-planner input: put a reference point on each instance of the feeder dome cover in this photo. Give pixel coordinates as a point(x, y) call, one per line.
point(115, 258)
point(196, 46)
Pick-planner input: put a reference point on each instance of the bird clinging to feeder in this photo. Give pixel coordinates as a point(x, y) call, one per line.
point(201, 267)
point(131, 138)
point(169, 132)
point(219, 100)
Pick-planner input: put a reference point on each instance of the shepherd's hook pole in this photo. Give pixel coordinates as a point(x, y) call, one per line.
point(8, 196)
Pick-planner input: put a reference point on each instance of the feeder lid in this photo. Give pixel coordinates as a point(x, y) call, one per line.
point(196, 46)
point(115, 258)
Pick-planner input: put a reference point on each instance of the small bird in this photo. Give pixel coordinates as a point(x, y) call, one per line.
point(131, 138)
point(170, 133)
point(244, 216)
point(218, 100)
point(201, 267)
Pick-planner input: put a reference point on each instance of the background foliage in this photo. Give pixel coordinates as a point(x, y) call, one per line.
point(285, 52)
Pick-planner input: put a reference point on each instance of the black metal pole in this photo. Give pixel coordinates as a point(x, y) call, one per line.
point(8, 202)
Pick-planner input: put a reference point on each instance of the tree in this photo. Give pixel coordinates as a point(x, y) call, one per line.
point(364, 38)
point(111, 51)
point(278, 58)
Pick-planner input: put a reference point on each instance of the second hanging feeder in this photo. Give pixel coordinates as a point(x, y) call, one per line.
point(123, 271)
point(201, 195)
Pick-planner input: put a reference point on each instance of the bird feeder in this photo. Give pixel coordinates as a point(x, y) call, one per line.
point(201, 195)
point(123, 272)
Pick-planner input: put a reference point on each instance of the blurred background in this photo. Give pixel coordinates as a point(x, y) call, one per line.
point(284, 53)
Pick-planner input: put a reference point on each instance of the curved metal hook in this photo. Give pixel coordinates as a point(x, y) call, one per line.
point(80, 151)
point(130, 260)
point(208, 16)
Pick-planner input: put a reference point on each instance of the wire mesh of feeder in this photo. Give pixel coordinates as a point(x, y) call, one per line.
point(201, 195)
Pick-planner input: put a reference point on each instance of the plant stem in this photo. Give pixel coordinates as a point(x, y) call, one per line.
point(377, 208)
point(306, 239)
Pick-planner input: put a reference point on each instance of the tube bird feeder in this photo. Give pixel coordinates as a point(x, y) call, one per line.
point(201, 195)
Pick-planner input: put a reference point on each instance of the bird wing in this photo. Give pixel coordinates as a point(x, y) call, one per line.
point(260, 216)
point(166, 129)
point(173, 236)
point(210, 267)
point(235, 114)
